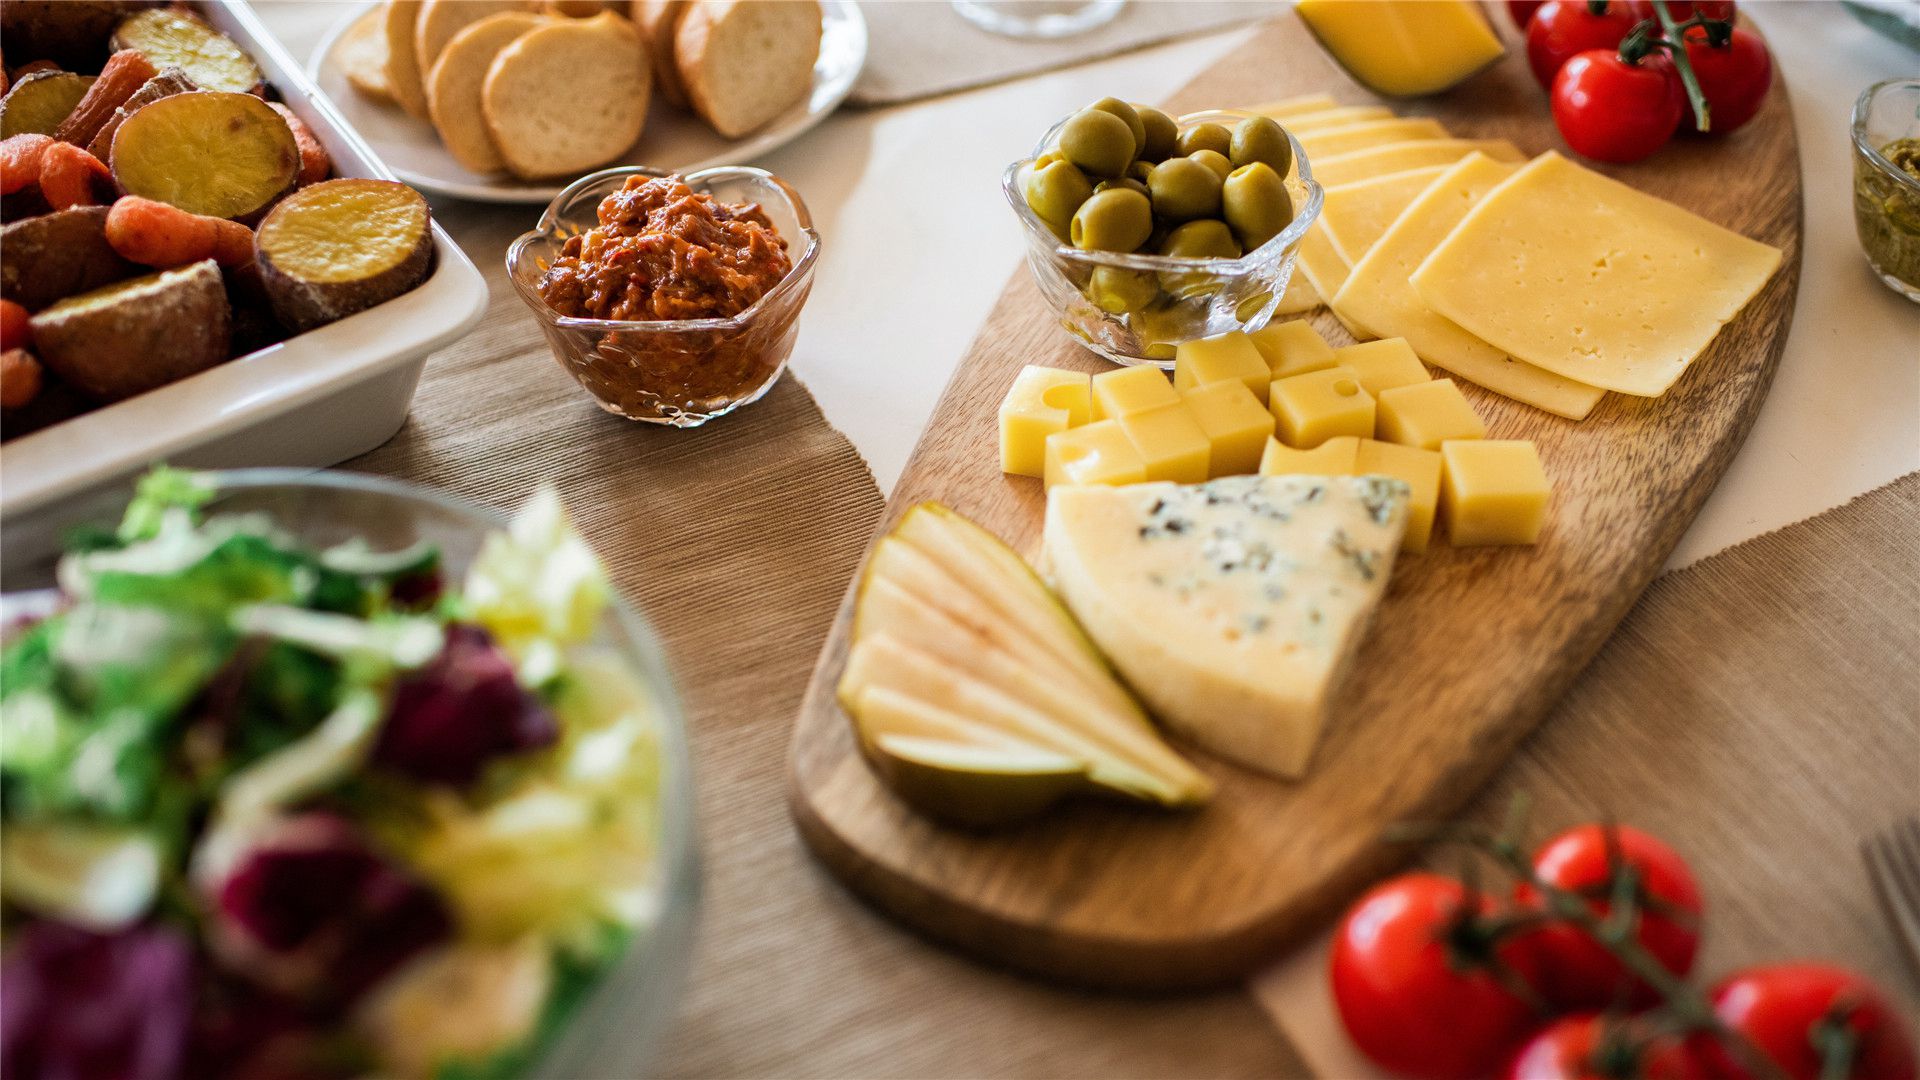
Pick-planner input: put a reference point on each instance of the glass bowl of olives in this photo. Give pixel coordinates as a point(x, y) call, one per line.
point(1145, 230)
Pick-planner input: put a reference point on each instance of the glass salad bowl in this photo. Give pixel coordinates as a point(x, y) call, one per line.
point(1194, 298)
point(681, 372)
point(558, 876)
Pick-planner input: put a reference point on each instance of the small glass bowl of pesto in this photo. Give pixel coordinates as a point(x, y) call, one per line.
point(1886, 182)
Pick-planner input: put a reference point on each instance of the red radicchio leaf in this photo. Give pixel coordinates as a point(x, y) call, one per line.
point(462, 710)
point(76, 1005)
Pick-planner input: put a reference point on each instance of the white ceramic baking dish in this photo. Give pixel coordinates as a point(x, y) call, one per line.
point(312, 400)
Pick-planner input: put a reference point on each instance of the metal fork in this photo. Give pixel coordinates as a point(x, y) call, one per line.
point(1893, 862)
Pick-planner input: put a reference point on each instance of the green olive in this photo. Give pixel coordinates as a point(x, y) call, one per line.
point(1163, 135)
point(1183, 189)
point(1126, 114)
point(1099, 142)
point(1162, 350)
point(1212, 137)
point(1208, 238)
point(1259, 139)
point(1127, 183)
point(1214, 160)
point(1140, 170)
point(1255, 202)
point(1116, 291)
point(1055, 191)
point(1115, 220)
point(1048, 158)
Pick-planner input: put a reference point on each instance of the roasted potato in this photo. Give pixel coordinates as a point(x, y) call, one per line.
point(54, 256)
point(73, 32)
point(136, 335)
point(342, 246)
point(214, 153)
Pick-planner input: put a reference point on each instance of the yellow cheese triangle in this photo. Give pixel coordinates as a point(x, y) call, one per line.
point(1378, 295)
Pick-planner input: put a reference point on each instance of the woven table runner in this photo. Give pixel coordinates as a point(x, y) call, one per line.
point(922, 48)
point(1760, 711)
point(736, 540)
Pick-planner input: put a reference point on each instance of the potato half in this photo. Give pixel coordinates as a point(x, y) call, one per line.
point(133, 336)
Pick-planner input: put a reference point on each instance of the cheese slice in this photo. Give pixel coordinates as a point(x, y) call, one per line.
point(1339, 116)
point(1300, 296)
point(1399, 157)
point(1379, 296)
point(1355, 215)
point(1584, 276)
point(1294, 106)
point(1329, 142)
point(1232, 607)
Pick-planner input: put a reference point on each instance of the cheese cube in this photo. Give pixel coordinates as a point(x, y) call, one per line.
point(1335, 457)
point(1382, 365)
point(1217, 359)
point(1428, 414)
point(1170, 443)
point(1131, 390)
point(1493, 491)
point(1098, 453)
point(1312, 408)
point(1236, 423)
point(1042, 401)
point(1292, 348)
point(1420, 469)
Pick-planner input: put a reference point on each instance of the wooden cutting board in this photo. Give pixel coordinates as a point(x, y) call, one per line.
point(1467, 653)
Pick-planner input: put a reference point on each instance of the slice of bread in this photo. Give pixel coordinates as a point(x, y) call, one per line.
point(441, 19)
point(657, 20)
point(576, 9)
point(456, 80)
point(745, 62)
point(567, 96)
point(403, 64)
point(361, 54)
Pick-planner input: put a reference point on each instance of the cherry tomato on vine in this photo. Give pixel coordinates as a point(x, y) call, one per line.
point(1421, 988)
point(1579, 972)
point(1522, 11)
point(1734, 76)
point(1682, 10)
point(1562, 29)
point(1594, 1046)
point(1611, 110)
point(1797, 1013)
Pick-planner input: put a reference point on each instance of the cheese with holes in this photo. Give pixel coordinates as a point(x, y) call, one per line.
point(1096, 453)
point(1401, 156)
point(1327, 142)
point(1378, 295)
point(1042, 401)
point(1582, 275)
point(1233, 608)
point(1404, 48)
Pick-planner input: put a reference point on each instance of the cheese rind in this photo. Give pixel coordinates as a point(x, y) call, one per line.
point(1378, 294)
point(1586, 277)
point(1232, 608)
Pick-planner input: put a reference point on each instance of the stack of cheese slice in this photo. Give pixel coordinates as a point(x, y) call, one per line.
point(976, 695)
point(1232, 607)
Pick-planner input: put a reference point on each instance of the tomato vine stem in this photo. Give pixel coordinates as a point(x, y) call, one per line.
point(1677, 51)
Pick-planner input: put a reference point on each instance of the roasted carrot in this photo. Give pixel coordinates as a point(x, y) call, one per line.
point(16, 327)
point(67, 173)
point(314, 162)
point(34, 68)
point(20, 161)
point(157, 234)
point(125, 72)
point(20, 378)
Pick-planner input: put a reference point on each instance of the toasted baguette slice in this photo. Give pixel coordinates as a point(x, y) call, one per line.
point(403, 61)
point(457, 79)
point(440, 20)
point(657, 21)
point(745, 62)
point(567, 96)
point(575, 9)
point(361, 53)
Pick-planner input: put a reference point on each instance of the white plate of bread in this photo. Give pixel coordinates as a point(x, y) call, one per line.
point(511, 100)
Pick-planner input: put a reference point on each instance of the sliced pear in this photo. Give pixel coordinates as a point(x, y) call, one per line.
point(969, 784)
point(881, 711)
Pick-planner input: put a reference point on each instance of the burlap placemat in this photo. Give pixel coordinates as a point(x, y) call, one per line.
point(737, 540)
point(922, 48)
point(1760, 710)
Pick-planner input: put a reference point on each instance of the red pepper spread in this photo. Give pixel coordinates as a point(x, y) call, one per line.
point(662, 252)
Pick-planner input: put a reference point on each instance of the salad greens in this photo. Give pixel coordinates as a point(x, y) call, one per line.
point(375, 820)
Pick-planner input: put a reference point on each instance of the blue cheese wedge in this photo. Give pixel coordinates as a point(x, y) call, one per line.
point(1233, 608)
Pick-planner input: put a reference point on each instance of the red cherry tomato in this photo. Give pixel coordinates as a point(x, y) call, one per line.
point(1522, 11)
point(1789, 1011)
point(1682, 10)
point(1592, 1046)
point(1579, 972)
point(1413, 976)
point(1734, 77)
point(1562, 29)
point(1610, 110)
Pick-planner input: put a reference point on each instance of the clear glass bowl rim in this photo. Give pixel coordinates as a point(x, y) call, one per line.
point(1872, 153)
point(797, 276)
point(1283, 241)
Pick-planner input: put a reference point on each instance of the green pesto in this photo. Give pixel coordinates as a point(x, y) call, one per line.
point(1887, 212)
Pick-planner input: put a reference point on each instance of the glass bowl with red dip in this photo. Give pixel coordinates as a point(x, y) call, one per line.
point(671, 299)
